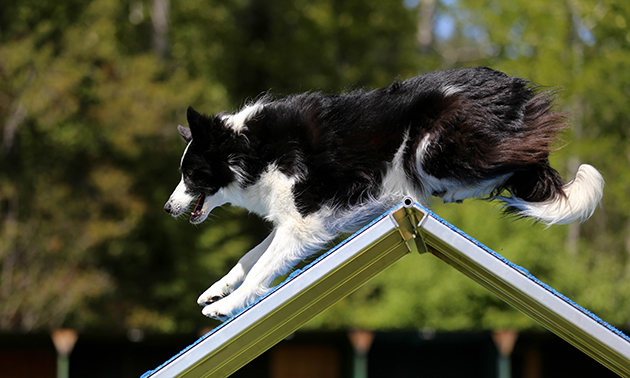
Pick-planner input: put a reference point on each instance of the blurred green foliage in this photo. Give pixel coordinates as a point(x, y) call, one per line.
point(89, 102)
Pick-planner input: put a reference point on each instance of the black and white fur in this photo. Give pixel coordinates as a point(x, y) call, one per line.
point(316, 165)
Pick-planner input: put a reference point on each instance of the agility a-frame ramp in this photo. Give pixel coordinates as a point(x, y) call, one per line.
point(406, 228)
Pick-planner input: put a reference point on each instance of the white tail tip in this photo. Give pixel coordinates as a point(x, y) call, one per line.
point(582, 195)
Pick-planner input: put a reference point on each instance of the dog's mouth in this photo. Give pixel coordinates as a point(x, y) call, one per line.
point(198, 209)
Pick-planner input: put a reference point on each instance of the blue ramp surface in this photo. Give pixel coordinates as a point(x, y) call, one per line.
point(406, 228)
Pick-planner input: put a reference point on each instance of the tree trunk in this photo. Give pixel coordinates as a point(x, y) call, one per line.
point(159, 18)
point(426, 14)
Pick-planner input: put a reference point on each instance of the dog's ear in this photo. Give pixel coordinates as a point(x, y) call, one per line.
point(185, 133)
point(197, 125)
point(192, 115)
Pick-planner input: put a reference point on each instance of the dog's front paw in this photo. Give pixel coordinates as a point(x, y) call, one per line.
point(223, 309)
point(230, 305)
point(216, 292)
point(215, 313)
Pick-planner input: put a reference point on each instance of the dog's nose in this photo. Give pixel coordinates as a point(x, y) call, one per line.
point(167, 207)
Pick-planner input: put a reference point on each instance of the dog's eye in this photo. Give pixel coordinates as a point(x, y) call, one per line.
point(189, 172)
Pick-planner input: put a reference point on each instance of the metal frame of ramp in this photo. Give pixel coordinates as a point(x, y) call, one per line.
point(406, 228)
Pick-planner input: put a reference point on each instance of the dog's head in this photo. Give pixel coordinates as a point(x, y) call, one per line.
point(205, 166)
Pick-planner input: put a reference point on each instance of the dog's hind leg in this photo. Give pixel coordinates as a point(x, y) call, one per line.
point(237, 274)
point(289, 246)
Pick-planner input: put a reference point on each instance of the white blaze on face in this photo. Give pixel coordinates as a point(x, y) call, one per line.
point(184, 154)
point(179, 200)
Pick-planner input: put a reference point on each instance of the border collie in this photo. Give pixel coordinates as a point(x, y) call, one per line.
point(316, 165)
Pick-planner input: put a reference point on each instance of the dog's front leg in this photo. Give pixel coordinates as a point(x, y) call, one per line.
point(235, 277)
point(285, 251)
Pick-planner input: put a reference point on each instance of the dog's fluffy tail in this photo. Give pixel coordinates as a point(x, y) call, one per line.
point(550, 201)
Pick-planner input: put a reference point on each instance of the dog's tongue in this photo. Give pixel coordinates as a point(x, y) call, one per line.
point(198, 206)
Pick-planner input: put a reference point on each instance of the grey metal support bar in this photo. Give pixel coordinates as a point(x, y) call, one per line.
point(406, 228)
